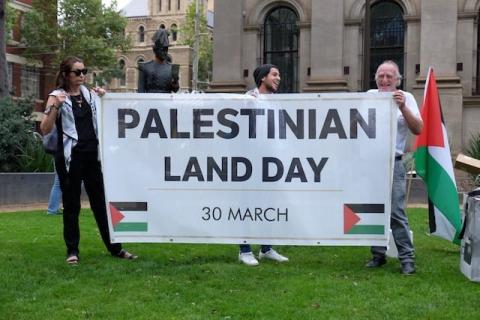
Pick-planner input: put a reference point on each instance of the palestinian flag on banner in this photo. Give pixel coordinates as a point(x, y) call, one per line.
point(363, 218)
point(433, 163)
point(129, 216)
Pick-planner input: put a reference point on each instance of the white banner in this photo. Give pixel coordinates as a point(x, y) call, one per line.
point(301, 169)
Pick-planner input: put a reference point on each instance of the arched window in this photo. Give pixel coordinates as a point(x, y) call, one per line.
point(123, 77)
point(159, 5)
point(141, 34)
point(387, 33)
point(169, 5)
point(281, 45)
point(178, 5)
point(174, 30)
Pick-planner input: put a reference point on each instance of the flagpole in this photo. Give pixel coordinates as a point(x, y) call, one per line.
point(429, 72)
point(412, 166)
point(409, 186)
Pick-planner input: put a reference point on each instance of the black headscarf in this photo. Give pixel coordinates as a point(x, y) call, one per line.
point(261, 72)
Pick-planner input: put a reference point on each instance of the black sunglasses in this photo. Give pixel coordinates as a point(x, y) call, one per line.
point(78, 72)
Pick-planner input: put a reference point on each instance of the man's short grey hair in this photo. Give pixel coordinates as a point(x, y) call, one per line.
point(397, 71)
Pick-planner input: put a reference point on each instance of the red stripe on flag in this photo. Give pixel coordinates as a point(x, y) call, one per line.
point(432, 133)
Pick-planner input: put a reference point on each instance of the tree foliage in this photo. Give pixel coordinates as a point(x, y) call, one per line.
point(84, 28)
point(187, 37)
point(10, 18)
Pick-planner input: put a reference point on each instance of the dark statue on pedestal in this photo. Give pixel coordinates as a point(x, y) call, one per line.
point(159, 75)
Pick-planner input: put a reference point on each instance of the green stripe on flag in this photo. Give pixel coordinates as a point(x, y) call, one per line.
point(131, 226)
point(441, 189)
point(367, 229)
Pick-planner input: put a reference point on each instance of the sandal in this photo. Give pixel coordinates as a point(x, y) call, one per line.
point(72, 259)
point(124, 254)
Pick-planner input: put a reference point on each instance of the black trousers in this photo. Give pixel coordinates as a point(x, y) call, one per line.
point(83, 167)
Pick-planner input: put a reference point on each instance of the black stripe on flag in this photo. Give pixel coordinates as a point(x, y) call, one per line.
point(130, 206)
point(431, 217)
point(366, 207)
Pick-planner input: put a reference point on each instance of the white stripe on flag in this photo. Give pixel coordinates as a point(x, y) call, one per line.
point(134, 217)
point(370, 219)
point(444, 227)
point(442, 156)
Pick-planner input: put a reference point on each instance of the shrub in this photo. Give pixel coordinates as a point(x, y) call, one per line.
point(33, 157)
point(473, 147)
point(473, 150)
point(17, 138)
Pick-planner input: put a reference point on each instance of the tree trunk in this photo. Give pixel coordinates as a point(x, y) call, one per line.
point(3, 48)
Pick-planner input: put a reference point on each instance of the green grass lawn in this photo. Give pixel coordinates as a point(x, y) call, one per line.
point(173, 281)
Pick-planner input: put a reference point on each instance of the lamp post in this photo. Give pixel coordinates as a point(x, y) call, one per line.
point(196, 48)
point(366, 47)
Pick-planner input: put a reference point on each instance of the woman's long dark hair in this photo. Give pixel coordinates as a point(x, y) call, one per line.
point(65, 68)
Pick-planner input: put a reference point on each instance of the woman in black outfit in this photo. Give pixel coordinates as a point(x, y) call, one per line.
point(71, 107)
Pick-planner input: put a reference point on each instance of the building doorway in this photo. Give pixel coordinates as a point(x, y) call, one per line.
point(281, 46)
point(387, 37)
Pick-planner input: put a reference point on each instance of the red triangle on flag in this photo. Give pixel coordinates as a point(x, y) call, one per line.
point(432, 132)
point(350, 219)
point(115, 214)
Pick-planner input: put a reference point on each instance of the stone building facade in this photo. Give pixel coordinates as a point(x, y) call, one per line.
point(26, 77)
point(145, 17)
point(321, 46)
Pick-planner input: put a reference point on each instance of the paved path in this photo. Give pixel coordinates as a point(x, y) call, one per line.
point(85, 204)
point(32, 206)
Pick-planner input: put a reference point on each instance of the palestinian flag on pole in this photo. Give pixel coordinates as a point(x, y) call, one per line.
point(433, 163)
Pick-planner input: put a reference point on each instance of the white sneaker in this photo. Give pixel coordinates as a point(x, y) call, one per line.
point(248, 258)
point(272, 255)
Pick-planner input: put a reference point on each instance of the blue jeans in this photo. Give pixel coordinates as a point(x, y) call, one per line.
point(246, 248)
point(55, 196)
point(398, 219)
